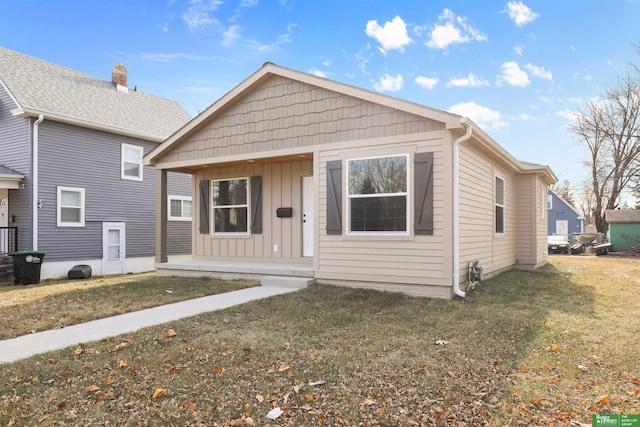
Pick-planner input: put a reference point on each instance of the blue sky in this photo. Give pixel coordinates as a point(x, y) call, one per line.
point(516, 68)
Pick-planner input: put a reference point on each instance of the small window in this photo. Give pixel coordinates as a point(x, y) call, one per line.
point(499, 204)
point(179, 208)
point(131, 162)
point(230, 207)
point(549, 202)
point(70, 207)
point(378, 195)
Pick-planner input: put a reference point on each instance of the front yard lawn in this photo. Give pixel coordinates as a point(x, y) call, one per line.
point(545, 348)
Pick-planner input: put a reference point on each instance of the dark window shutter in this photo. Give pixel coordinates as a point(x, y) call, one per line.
point(423, 196)
point(334, 197)
point(256, 204)
point(204, 206)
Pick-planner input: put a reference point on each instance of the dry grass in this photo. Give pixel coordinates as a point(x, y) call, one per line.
point(58, 303)
point(544, 348)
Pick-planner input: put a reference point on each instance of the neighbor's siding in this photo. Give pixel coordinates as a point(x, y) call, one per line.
point(90, 159)
point(284, 114)
point(413, 264)
point(15, 153)
point(478, 239)
point(178, 232)
point(281, 187)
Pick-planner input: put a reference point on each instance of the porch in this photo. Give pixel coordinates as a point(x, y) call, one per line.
point(294, 274)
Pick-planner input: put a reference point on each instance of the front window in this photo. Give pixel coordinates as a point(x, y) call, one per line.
point(499, 203)
point(70, 209)
point(377, 195)
point(180, 208)
point(131, 167)
point(230, 207)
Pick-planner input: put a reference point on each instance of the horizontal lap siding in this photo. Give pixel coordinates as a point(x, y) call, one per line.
point(90, 159)
point(281, 187)
point(284, 114)
point(404, 264)
point(15, 153)
point(527, 196)
point(478, 239)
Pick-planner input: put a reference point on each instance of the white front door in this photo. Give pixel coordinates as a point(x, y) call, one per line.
point(113, 247)
point(307, 216)
point(4, 220)
point(562, 228)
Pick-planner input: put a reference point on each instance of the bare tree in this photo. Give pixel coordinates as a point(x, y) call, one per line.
point(563, 189)
point(610, 128)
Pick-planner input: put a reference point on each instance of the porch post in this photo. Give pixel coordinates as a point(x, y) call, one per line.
point(161, 216)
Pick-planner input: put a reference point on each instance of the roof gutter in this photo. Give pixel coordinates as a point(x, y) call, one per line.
point(34, 184)
point(456, 208)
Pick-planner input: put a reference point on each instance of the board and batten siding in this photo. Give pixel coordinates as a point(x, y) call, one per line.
point(281, 187)
point(413, 264)
point(15, 153)
point(478, 239)
point(90, 159)
point(283, 114)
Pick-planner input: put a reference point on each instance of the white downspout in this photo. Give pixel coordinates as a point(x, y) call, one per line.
point(456, 209)
point(34, 184)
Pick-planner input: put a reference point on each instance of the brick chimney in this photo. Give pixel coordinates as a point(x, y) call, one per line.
point(119, 75)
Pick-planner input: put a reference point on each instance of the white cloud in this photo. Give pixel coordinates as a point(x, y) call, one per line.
point(393, 35)
point(427, 82)
point(513, 75)
point(317, 72)
point(539, 72)
point(231, 35)
point(525, 117)
point(519, 50)
point(470, 81)
point(520, 13)
point(482, 116)
point(452, 29)
point(199, 13)
point(389, 83)
point(568, 115)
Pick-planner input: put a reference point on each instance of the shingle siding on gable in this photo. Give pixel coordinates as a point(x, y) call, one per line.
point(283, 113)
point(91, 160)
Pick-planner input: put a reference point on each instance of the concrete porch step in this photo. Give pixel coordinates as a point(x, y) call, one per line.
point(287, 281)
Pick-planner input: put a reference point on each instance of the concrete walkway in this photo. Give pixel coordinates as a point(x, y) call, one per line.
point(25, 346)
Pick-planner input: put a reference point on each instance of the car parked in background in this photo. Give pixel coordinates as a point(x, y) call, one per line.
point(558, 244)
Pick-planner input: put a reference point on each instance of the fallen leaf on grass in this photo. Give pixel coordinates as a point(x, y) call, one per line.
point(92, 387)
point(158, 393)
point(368, 402)
point(554, 347)
point(217, 370)
point(120, 346)
point(603, 400)
point(189, 405)
point(260, 398)
point(78, 351)
point(171, 333)
point(121, 363)
point(284, 368)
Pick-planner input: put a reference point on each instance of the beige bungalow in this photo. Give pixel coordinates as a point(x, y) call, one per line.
point(298, 175)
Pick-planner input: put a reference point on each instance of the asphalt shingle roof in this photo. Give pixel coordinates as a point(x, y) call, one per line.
point(8, 171)
point(52, 89)
point(622, 215)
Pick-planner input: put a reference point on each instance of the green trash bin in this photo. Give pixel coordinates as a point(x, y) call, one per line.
point(26, 267)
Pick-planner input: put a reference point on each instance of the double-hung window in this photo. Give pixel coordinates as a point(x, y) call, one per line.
point(230, 207)
point(499, 205)
point(70, 209)
point(378, 195)
point(131, 159)
point(180, 208)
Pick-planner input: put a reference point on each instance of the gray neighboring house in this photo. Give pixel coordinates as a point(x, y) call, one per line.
point(72, 181)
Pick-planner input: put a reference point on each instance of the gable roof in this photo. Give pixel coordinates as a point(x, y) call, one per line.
point(6, 172)
point(268, 70)
point(60, 94)
point(622, 215)
point(569, 205)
